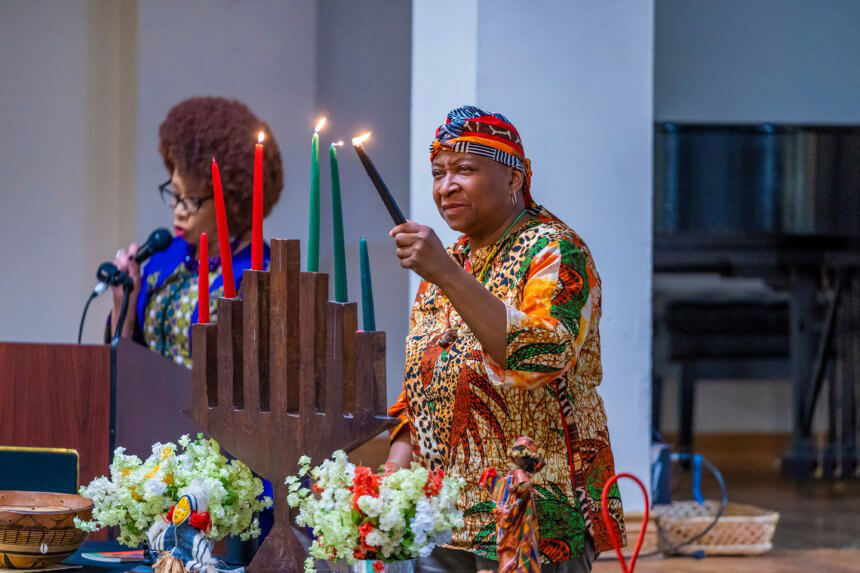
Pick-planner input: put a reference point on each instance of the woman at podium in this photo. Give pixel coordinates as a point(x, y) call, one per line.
point(163, 304)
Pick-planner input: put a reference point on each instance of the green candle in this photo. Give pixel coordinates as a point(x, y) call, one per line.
point(368, 320)
point(314, 210)
point(340, 294)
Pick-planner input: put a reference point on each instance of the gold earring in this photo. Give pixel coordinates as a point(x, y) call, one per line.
point(514, 199)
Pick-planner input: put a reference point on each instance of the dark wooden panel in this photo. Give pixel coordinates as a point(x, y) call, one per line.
point(312, 341)
point(204, 341)
point(284, 325)
point(153, 399)
point(380, 398)
point(347, 354)
point(57, 396)
point(339, 353)
point(255, 339)
point(370, 372)
point(230, 352)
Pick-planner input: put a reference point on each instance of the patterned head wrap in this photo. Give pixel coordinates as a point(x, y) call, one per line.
point(469, 129)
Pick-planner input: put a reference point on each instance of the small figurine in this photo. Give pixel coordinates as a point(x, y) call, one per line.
point(517, 537)
point(180, 539)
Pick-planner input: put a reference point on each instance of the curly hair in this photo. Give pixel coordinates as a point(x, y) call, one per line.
point(200, 128)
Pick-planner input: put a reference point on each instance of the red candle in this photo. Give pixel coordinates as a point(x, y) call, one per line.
point(203, 280)
point(257, 220)
point(223, 234)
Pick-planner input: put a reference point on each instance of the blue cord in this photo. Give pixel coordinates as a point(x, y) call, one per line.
point(697, 479)
point(724, 501)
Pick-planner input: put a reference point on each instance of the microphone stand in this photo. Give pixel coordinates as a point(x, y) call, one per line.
point(93, 296)
point(126, 292)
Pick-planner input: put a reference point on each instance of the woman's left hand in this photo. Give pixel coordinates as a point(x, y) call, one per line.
point(419, 249)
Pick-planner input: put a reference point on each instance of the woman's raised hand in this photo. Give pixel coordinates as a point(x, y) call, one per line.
point(125, 262)
point(419, 249)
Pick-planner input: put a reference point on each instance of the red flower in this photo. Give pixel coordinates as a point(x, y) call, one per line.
point(488, 474)
point(201, 521)
point(363, 530)
point(434, 483)
point(317, 489)
point(365, 482)
point(378, 566)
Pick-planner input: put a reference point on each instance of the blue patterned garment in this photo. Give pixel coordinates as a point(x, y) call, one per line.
point(167, 304)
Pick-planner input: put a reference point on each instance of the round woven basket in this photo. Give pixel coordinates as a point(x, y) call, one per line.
point(37, 529)
point(741, 530)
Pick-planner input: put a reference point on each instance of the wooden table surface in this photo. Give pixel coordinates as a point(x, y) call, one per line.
point(777, 561)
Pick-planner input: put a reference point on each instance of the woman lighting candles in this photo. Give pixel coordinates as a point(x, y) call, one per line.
point(164, 301)
point(503, 343)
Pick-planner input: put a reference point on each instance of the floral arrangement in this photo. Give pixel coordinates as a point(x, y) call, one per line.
point(356, 514)
point(138, 493)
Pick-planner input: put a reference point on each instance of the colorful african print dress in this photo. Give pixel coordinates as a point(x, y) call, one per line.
point(463, 410)
point(167, 303)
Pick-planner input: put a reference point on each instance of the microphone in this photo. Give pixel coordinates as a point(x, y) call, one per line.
point(157, 241)
point(107, 275)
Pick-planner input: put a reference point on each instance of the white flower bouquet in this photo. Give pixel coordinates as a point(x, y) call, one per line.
point(138, 493)
point(356, 514)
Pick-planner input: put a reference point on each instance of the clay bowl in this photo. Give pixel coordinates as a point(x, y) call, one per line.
point(37, 528)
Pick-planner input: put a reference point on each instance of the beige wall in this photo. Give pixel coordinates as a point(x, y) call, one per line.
point(87, 83)
point(65, 166)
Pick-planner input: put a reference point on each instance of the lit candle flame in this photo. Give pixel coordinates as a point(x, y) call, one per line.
point(261, 136)
point(361, 138)
point(337, 143)
point(320, 125)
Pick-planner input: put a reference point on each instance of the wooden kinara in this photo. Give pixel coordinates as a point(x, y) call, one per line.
point(282, 374)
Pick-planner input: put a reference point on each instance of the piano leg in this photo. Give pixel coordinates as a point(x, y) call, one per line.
point(800, 459)
point(686, 407)
point(851, 360)
point(656, 408)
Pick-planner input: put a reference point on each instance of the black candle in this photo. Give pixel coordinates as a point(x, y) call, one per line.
point(381, 187)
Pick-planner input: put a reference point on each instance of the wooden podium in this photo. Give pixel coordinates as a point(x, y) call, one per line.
point(92, 398)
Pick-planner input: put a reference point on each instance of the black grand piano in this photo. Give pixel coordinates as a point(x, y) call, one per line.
point(779, 206)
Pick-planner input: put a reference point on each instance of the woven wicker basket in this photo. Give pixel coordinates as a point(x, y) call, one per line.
point(742, 529)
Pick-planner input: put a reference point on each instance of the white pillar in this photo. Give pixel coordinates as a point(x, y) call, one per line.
point(576, 80)
point(444, 76)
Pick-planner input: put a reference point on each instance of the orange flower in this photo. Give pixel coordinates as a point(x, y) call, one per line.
point(434, 483)
point(365, 482)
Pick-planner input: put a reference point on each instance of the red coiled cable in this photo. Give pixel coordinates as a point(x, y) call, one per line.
point(607, 520)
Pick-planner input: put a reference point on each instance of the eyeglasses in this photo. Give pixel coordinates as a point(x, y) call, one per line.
point(190, 204)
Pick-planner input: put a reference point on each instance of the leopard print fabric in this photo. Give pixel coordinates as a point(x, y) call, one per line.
point(463, 410)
